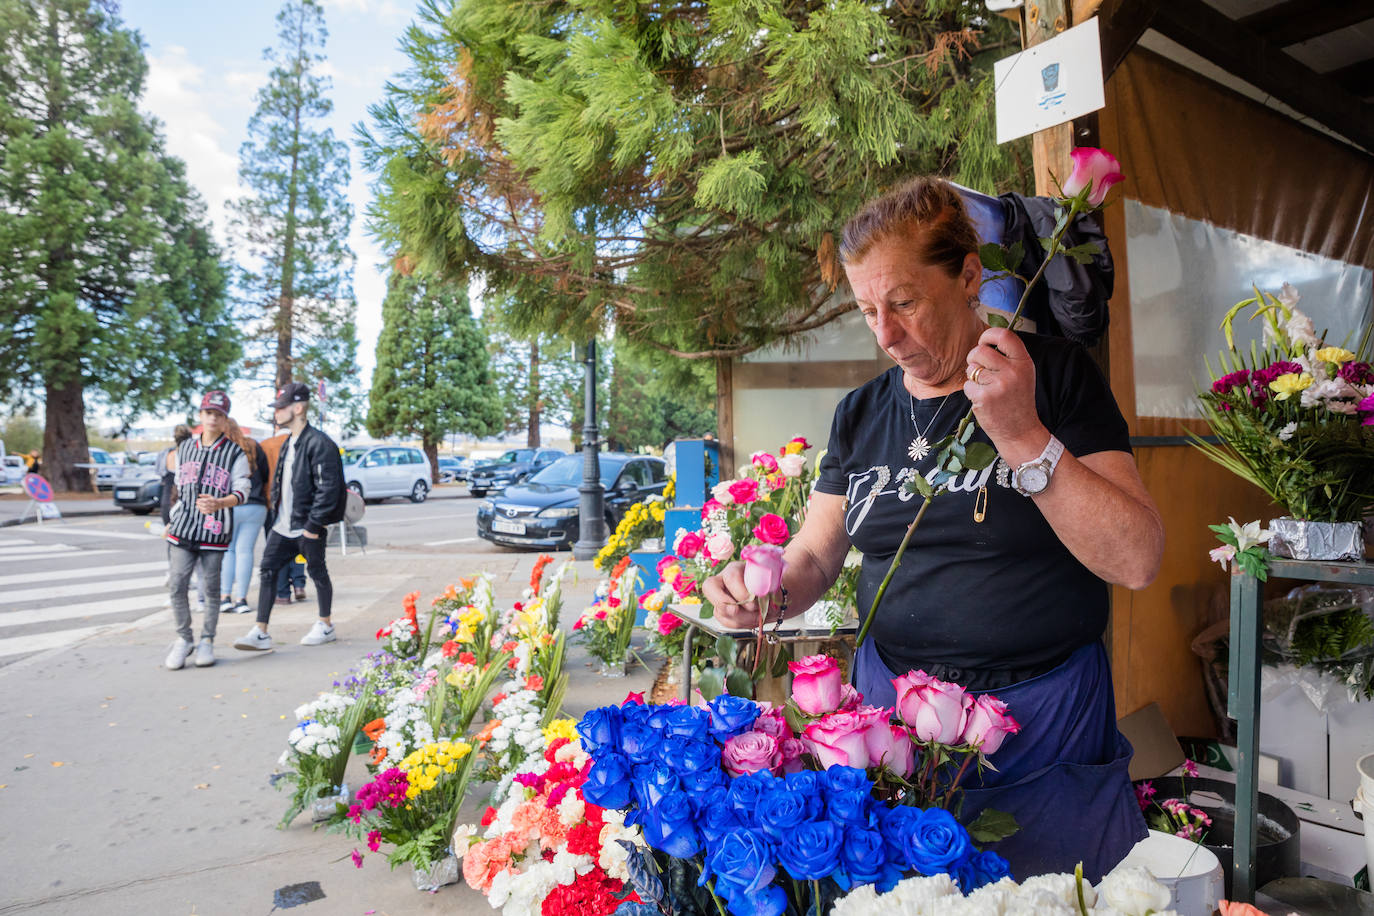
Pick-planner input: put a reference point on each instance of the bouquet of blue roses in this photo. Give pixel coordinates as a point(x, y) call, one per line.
point(738, 828)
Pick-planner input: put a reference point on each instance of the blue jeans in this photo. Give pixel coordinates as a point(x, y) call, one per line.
point(238, 559)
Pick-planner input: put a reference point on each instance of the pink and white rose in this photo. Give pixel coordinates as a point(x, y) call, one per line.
point(749, 752)
point(989, 724)
point(792, 465)
point(763, 568)
point(764, 460)
point(816, 684)
point(719, 547)
point(890, 746)
point(936, 710)
point(837, 740)
point(1095, 169)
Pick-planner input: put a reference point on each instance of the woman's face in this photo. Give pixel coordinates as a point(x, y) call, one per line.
point(919, 314)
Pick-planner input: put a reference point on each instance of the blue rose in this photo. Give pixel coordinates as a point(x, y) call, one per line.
point(866, 859)
point(811, 784)
point(639, 742)
point(745, 792)
point(687, 722)
point(600, 730)
point(696, 762)
point(851, 808)
point(937, 843)
point(731, 715)
point(811, 850)
point(636, 713)
point(608, 782)
point(742, 863)
point(652, 781)
point(715, 816)
point(780, 811)
point(895, 824)
point(670, 827)
point(658, 716)
point(980, 868)
point(845, 779)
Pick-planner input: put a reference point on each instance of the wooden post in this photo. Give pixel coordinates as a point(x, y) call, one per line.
point(1042, 20)
point(725, 414)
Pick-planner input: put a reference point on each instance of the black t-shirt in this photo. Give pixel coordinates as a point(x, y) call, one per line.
point(997, 594)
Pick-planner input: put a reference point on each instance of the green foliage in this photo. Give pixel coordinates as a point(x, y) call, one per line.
point(677, 172)
point(110, 283)
point(292, 226)
point(1330, 628)
point(22, 434)
point(655, 399)
point(538, 377)
point(431, 378)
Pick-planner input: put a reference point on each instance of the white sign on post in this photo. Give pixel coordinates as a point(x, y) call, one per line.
point(1053, 82)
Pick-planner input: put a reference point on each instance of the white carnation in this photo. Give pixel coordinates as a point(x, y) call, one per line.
point(1063, 887)
point(1133, 890)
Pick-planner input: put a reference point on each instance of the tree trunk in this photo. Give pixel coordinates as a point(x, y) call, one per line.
point(536, 405)
point(432, 454)
point(64, 440)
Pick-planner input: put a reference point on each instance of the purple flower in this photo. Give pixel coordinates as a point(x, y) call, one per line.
point(1366, 409)
point(357, 859)
point(1356, 373)
point(1226, 383)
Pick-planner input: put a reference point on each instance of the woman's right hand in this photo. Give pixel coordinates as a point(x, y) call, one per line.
point(734, 606)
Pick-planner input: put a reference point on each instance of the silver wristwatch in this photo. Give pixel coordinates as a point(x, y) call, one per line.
point(1034, 476)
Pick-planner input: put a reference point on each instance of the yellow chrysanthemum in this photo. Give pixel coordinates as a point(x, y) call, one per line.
point(793, 448)
point(1289, 384)
point(1334, 355)
point(560, 728)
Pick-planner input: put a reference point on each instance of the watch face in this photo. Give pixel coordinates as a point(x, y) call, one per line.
point(1033, 479)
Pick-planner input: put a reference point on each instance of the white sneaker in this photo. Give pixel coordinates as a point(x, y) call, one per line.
point(205, 653)
point(319, 634)
point(177, 656)
point(254, 641)
point(226, 606)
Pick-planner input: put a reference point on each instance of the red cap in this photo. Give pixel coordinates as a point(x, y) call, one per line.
point(215, 400)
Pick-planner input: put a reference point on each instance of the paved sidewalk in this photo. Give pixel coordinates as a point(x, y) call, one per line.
point(126, 788)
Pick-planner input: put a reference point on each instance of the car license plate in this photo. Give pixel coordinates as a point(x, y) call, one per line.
point(126, 494)
point(505, 527)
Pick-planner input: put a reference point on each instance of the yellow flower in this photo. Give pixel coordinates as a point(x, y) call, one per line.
point(793, 448)
point(654, 602)
point(460, 750)
point(1289, 384)
point(1334, 355)
point(560, 728)
point(690, 599)
point(451, 768)
point(412, 791)
point(471, 617)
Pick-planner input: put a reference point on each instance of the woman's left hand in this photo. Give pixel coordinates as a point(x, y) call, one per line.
point(1000, 385)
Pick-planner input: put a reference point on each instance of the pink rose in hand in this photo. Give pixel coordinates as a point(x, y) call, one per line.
point(771, 529)
point(743, 491)
point(988, 724)
point(749, 752)
point(719, 547)
point(936, 710)
point(763, 567)
point(890, 746)
point(837, 740)
point(816, 684)
point(1096, 168)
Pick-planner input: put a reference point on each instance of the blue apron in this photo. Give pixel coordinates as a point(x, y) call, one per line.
point(1064, 777)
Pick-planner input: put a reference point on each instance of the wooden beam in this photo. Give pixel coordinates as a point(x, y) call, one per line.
point(1205, 31)
point(1296, 21)
point(725, 414)
point(1122, 22)
point(1050, 148)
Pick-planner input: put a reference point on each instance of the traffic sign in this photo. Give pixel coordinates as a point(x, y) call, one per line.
point(38, 488)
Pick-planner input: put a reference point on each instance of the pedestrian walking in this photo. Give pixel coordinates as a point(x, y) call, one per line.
point(166, 466)
point(293, 572)
point(212, 476)
point(249, 520)
point(307, 497)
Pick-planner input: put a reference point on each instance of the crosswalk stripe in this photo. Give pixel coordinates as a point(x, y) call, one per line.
point(7, 541)
point(51, 554)
point(89, 609)
point(38, 642)
point(7, 551)
point(124, 535)
point(89, 572)
point(53, 592)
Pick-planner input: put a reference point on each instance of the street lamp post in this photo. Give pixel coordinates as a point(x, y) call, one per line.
point(592, 533)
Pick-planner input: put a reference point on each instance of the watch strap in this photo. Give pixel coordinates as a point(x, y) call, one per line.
point(1048, 459)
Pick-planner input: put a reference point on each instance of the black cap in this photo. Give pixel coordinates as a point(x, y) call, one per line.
point(292, 393)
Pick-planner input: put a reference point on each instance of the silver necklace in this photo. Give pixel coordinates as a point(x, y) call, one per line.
point(920, 446)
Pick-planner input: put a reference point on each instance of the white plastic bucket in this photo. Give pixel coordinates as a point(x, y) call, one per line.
point(1189, 870)
point(1364, 803)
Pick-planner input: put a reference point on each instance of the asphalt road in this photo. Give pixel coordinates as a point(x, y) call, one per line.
point(61, 582)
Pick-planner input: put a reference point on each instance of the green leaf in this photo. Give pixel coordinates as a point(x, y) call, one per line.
point(992, 825)
point(779, 668)
point(993, 256)
point(921, 485)
point(967, 433)
point(711, 682)
point(738, 683)
point(727, 650)
point(1016, 253)
point(980, 455)
point(1084, 253)
point(997, 321)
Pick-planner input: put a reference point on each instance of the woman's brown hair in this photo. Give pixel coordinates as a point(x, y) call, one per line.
point(926, 213)
point(249, 446)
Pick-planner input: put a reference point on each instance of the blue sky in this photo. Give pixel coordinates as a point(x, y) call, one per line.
point(205, 65)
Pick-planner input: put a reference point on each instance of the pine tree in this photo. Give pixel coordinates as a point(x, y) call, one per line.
point(431, 378)
point(678, 172)
point(654, 399)
point(538, 376)
point(111, 287)
point(293, 224)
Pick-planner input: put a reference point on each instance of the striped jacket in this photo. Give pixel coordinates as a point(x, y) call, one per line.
point(218, 469)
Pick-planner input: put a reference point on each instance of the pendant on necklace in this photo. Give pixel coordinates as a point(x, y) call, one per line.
point(918, 448)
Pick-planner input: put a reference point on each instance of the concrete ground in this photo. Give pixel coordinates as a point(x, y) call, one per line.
point(126, 788)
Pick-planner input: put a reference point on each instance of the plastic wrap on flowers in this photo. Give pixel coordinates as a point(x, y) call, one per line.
point(771, 810)
point(442, 872)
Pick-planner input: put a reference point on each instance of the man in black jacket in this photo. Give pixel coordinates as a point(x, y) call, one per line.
point(307, 497)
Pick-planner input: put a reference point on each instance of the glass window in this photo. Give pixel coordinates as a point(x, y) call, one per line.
point(353, 455)
point(658, 472)
point(375, 458)
point(567, 472)
point(416, 456)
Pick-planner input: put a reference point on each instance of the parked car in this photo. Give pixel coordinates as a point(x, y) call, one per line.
point(453, 468)
point(140, 489)
point(109, 472)
point(512, 467)
point(379, 471)
point(542, 511)
point(14, 469)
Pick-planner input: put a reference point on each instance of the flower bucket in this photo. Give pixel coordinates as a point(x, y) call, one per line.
point(1299, 539)
point(1364, 803)
point(612, 669)
point(1190, 871)
point(440, 872)
point(1277, 846)
point(326, 806)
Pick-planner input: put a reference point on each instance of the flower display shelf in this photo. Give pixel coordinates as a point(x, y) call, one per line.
point(1243, 693)
point(792, 630)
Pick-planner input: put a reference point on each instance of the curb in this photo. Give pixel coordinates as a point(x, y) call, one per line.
point(11, 522)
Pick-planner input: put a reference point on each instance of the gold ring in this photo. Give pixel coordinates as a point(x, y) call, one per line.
point(976, 372)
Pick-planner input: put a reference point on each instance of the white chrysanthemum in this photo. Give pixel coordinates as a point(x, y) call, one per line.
point(916, 894)
point(1133, 890)
point(1063, 887)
